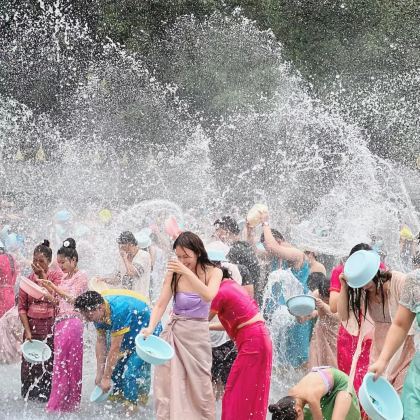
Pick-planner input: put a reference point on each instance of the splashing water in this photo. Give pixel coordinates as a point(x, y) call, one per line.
point(124, 140)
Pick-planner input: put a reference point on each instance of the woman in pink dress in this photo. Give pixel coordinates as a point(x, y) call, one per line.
point(8, 273)
point(37, 317)
point(248, 384)
point(68, 334)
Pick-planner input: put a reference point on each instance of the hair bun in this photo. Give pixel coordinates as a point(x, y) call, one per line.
point(69, 243)
point(46, 243)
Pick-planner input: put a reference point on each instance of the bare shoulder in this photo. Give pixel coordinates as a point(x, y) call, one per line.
point(215, 272)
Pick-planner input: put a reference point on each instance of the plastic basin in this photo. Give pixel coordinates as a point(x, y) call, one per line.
point(172, 228)
point(379, 399)
point(31, 288)
point(301, 305)
point(36, 351)
point(361, 267)
point(153, 349)
point(98, 395)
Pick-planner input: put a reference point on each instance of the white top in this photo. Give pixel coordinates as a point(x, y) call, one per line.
point(142, 264)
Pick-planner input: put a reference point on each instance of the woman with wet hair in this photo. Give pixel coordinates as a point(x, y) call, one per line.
point(37, 316)
point(182, 387)
point(348, 330)
point(68, 333)
point(324, 393)
point(377, 302)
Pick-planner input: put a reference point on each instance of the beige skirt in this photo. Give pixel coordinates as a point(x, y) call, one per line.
point(182, 387)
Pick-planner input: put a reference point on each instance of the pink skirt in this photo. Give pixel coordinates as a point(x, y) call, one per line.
point(66, 388)
point(248, 385)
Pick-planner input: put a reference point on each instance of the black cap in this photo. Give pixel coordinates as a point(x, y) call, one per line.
point(127, 237)
point(228, 223)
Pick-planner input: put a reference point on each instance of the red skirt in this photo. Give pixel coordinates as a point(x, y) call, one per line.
point(346, 347)
point(248, 385)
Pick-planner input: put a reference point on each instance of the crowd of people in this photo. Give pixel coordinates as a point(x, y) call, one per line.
point(221, 304)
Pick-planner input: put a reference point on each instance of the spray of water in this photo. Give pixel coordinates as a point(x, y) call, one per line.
point(125, 141)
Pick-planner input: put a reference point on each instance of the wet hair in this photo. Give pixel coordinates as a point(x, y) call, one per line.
point(226, 273)
point(126, 237)
point(228, 223)
point(320, 282)
point(277, 236)
point(68, 250)
point(191, 241)
point(44, 249)
point(88, 301)
point(356, 295)
point(284, 409)
point(360, 247)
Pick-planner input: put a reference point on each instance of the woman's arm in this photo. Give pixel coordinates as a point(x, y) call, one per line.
point(334, 296)
point(343, 300)
point(288, 253)
point(216, 326)
point(160, 307)
point(207, 292)
point(394, 339)
point(53, 289)
point(25, 322)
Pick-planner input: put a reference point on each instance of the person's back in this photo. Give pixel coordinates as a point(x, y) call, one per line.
point(128, 315)
point(338, 385)
point(236, 307)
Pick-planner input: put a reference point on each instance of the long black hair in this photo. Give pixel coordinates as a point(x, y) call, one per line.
point(191, 241)
point(356, 295)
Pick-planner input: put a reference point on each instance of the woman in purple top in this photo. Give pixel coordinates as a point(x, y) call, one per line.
point(182, 387)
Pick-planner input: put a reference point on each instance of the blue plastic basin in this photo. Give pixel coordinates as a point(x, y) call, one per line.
point(98, 395)
point(36, 351)
point(153, 349)
point(361, 267)
point(301, 305)
point(379, 399)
